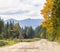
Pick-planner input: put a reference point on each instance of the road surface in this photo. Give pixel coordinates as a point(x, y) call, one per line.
point(38, 46)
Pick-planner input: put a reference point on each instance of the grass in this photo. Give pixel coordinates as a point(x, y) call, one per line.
point(11, 42)
point(30, 40)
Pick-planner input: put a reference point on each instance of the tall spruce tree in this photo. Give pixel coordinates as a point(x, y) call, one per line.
point(56, 19)
point(30, 32)
point(1, 25)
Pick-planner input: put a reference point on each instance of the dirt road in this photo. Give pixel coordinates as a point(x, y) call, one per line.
point(38, 46)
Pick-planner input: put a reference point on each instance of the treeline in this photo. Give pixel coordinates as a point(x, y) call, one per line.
point(13, 30)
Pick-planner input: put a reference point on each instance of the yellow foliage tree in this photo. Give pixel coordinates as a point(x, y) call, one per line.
point(47, 9)
point(48, 23)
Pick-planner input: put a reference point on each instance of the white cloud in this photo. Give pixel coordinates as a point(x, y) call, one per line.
point(21, 9)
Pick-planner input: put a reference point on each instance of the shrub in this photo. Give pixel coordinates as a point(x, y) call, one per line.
point(2, 43)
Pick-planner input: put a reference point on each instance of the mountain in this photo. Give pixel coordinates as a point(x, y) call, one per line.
point(15, 21)
point(27, 22)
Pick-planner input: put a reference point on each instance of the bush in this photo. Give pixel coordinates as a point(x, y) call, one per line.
point(2, 43)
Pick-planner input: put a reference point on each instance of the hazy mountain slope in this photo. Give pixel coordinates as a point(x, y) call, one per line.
point(27, 22)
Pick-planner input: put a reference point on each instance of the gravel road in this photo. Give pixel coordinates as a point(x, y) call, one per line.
point(38, 46)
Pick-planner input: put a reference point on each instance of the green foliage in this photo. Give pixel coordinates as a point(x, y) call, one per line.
point(56, 18)
point(30, 40)
point(8, 42)
point(43, 33)
point(14, 31)
point(52, 19)
point(30, 32)
point(1, 25)
point(38, 31)
point(2, 43)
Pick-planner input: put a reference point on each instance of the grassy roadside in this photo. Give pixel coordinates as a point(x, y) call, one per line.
point(30, 40)
point(4, 43)
point(10, 42)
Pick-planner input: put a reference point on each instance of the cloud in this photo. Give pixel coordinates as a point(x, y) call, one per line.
point(21, 9)
point(14, 13)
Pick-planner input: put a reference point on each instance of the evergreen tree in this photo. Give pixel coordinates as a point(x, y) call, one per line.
point(25, 31)
point(16, 29)
point(30, 32)
point(55, 14)
point(7, 30)
point(1, 25)
point(11, 28)
point(37, 31)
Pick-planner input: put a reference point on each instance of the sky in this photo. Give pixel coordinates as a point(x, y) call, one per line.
point(21, 9)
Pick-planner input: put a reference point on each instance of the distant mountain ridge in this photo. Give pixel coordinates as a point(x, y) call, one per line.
point(27, 22)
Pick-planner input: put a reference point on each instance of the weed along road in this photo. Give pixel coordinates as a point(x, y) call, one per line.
point(38, 46)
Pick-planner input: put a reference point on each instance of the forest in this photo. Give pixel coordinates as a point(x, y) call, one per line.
point(12, 30)
point(12, 33)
